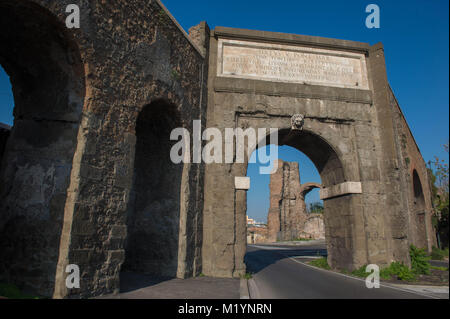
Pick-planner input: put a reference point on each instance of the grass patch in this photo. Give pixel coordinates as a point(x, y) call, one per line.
point(438, 254)
point(360, 272)
point(247, 276)
point(395, 270)
point(321, 263)
point(439, 268)
point(420, 265)
point(12, 292)
point(175, 75)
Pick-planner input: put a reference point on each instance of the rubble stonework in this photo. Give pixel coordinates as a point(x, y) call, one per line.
point(256, 234)
point(76, 184)
point(287, 218)
point(4, 134)
point(86, 178)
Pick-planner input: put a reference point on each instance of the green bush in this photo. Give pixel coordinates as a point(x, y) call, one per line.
point(419, 261)
point(321, 263)
point(247, 276)
point(12, 292)
point(398, 270)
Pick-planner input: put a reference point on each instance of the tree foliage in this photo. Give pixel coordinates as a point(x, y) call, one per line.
point(315, 208)
point(440, 191)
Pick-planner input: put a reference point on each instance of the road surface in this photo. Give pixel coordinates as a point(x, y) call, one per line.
point(280, 272)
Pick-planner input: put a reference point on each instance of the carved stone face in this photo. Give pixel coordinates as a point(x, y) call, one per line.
point(297, 121)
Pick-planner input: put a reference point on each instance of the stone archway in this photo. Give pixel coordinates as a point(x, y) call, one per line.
point(340, 94)
point(47, 77)
point(153, 215)
point(308, 187)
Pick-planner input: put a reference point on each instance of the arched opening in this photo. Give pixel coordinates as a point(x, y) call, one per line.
point(290, 192)
point(47, 79)
point(419, 211)
point(6, 109)
point(336, 216)
point(153, 214)
point(337, 213)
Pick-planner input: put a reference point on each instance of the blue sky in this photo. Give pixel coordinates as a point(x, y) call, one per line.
point(415, 35)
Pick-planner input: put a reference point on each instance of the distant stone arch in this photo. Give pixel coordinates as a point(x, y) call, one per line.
point(308, 187)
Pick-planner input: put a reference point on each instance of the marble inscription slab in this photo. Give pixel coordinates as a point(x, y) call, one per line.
point(286, 63)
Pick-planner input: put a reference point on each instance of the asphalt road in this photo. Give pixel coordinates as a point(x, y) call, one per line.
point(280, 272)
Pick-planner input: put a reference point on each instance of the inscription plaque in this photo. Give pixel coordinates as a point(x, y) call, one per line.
point(284, 63)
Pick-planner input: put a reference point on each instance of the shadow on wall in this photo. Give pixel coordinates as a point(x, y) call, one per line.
point(153, 214)
point(419, 211)
point(47, 78)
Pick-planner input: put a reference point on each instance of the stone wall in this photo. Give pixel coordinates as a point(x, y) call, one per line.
point(314, 227)
point(257, 235)
point(47, 77)
point(286, 210)
point(4, 134)
point(126, 55)
point(415, 183)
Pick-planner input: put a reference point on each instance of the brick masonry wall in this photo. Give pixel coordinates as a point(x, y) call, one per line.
point(420, 230)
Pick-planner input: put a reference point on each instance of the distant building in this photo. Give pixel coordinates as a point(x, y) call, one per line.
point(256, 234)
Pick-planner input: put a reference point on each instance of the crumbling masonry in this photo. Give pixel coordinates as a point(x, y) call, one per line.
point(86, 176)
point(287, 218)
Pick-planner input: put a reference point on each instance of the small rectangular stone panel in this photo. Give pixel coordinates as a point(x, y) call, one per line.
point(341, 189)
point(242, 183)
point(286, 63)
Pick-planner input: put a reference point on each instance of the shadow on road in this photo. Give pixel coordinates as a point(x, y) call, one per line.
point(258, 259)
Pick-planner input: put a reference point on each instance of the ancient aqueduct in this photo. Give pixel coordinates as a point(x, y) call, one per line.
point(85, 173)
